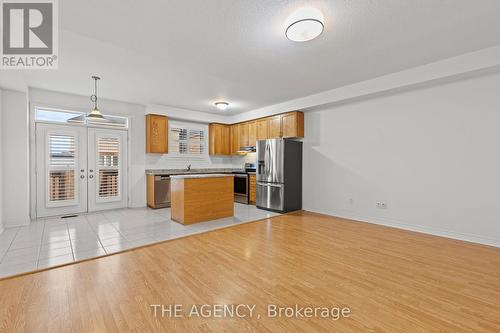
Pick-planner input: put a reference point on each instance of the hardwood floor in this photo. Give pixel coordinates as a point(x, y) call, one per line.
point(392, 281)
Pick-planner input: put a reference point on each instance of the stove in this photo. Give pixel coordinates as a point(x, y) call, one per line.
point(242, 183)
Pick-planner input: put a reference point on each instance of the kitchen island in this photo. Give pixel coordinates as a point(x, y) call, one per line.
point(201, 197)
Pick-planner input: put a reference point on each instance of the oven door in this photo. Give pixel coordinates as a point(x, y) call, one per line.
point(241, 188)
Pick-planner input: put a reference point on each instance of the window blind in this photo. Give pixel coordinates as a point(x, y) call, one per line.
point(108, 151)
point(62, 162)
point(187, 141)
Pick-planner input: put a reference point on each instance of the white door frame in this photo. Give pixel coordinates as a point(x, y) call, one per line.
point(33, 152)
point(96, 203)
point(78, 204)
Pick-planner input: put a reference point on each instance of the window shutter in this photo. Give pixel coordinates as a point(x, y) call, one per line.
point(62, 162)
point(186, 141)
point(108, 150)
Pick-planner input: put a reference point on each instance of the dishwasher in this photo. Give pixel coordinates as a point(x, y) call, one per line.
point(162, 191)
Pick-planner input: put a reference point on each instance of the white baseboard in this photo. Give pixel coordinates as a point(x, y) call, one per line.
point(405, 226)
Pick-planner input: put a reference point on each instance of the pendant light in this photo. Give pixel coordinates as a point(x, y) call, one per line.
point(95, 113)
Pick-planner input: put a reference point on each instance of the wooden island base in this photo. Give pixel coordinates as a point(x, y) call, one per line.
point(198, 198)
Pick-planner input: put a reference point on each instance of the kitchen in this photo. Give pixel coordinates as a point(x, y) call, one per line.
point(243, 145)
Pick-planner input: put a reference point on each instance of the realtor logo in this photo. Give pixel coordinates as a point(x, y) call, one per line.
point(29, 34)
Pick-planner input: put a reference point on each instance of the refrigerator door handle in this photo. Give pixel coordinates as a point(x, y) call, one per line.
point(270, 185)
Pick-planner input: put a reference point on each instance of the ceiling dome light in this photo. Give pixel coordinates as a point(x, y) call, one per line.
point(221, 105)
point(305, 24)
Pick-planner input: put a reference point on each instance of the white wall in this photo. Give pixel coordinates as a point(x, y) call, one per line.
point(431, 154)
point(135, 112)
point(15, 158)
point(1, 161)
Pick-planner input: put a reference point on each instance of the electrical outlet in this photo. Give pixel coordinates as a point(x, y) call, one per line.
point(382, 205)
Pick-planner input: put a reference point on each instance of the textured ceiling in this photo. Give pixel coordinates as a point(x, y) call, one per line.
point(190, 53)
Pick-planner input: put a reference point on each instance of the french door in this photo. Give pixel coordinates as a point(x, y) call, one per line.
point(80, 169)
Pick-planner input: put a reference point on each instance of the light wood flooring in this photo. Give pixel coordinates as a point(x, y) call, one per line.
point(392, 280)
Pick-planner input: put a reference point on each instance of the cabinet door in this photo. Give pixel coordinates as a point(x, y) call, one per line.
point(252, 133)
point(262, 129)
point(235, 139)
point(253, 189)
point(243, 134)
point(275, 127)
point(156, 134)
point(226, 140)
point(219, 139)
point(292, 125)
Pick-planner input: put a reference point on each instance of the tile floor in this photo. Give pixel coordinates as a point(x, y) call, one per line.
point(55, 241)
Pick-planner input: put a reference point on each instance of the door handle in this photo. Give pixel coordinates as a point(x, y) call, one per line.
point(269, 185)
point(91, 176)
point(82, 177)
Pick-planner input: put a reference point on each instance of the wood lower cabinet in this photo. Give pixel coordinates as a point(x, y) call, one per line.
point(262, 131)
point(275, 127)
point(219, 139)
point(156, 134)
point(252, 189)
point(252, 133)
point(292, 125)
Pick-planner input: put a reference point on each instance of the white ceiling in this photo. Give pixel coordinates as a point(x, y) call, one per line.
point(190, 53)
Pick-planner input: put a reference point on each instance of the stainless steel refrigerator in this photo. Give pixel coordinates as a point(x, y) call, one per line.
point(279, 175)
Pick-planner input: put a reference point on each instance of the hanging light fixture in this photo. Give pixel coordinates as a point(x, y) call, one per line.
point(95, 113)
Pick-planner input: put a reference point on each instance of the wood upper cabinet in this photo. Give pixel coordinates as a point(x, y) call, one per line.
point(252, 133)
point(292, 125)
point(219, 139)
point(275, 127)
point(262, 129)
point(243, 134)
point(156, 134)
point(235, 139)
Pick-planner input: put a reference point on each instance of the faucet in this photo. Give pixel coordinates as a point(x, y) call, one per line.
point(189, 167)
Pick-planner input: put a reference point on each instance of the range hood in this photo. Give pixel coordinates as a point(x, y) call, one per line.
point(247, 149)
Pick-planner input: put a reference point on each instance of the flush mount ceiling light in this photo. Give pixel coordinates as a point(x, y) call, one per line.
point(221, 105)
point(304, 24)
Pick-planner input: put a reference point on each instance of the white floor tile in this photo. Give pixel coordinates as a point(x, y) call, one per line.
point(78, 245)
point(138, 235)
point(9, 269)
point(21, 256)
point(143, 241)
point(56, 245)
point(113, 241)
point(46, 253)
point(55, 238)
point(118, 247)
point(24, 244)
point(86, 254)
point(55, 261)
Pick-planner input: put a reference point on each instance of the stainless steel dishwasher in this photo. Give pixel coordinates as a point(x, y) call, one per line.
point(162, 191)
